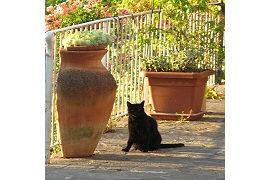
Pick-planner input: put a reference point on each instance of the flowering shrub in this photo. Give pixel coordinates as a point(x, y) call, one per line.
point(79, 11)
point(76, 12)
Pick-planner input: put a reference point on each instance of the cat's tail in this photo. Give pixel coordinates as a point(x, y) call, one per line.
point(171, 145)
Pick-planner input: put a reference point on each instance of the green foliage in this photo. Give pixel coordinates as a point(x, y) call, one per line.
point(183, 61)
point(112, 123)
point(87, 38)
point(193, 45)
point(80, 15)
point(157, 64)
point(55, 150)
point(211, 93)
point(53, 2)
point(136, 5)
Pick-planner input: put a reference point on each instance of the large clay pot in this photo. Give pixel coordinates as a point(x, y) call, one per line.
point(85, 97)
point(177, 94)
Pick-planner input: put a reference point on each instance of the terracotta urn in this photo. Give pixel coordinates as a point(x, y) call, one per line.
point(85, 97)
point(177, 94)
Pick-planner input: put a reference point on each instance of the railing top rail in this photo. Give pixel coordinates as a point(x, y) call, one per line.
point(102, 20)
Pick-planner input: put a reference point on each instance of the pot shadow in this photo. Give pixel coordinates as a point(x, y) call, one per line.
point(214, 117)
point(214, 113)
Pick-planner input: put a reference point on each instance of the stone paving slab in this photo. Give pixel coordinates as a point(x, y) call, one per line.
point(201, 159)
point(102, 174)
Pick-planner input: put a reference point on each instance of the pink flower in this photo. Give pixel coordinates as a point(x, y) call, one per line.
point(61, 10)
point(106, 13)
point(56, 23)
point(65, 12)
point(58, 10)
point(63, 5)
point(123, 11)
point(50, 9)
point(123, 58)
point(48, 18)
point(77, 3)
point(73, 7)
point(90, 4)
point(49, 27)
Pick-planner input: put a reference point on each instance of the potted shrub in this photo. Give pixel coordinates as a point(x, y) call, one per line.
point(85, 92)
point(177, 84)
point(177, 77)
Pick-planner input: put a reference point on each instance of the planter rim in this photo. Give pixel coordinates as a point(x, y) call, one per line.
point(86, 48)
point(187, 75)
point(82, 51)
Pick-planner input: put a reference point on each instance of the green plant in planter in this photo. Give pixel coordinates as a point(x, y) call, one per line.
point(175, 95)
point(87, 38)
point(189, 60)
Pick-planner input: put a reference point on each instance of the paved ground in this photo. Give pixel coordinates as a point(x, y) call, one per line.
point(201, 159)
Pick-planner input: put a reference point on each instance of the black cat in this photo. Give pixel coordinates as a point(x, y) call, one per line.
point(143, 130)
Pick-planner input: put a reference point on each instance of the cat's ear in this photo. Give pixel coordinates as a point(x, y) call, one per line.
point(128, 103)
point(142, 103)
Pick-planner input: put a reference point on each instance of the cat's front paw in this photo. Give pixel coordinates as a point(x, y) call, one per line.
point(125, 149)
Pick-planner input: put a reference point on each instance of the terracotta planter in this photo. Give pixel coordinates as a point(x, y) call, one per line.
point(85, 97)
point(176, 94)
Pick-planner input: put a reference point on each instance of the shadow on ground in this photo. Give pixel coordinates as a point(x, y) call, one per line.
point(202, 157)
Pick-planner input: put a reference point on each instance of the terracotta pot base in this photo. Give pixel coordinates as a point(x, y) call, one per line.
point(76, 150)
point(175, 117)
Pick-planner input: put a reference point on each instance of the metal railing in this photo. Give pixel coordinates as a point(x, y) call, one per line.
point(123, 58)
